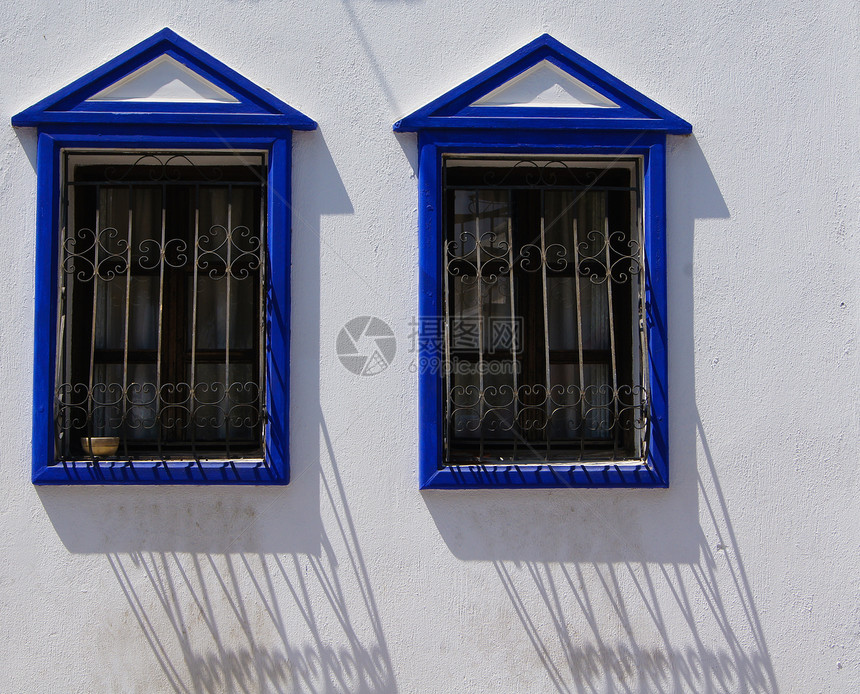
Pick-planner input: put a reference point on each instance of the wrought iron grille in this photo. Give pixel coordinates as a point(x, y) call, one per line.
point(160, 331)
point(544, 339)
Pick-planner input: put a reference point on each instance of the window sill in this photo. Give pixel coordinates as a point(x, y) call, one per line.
point(509, 476)
point(244, 471)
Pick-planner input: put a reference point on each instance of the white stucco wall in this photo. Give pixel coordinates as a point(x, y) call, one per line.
point(742, 577)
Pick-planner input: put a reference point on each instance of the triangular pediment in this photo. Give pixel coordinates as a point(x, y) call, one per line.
point(164, 79)
point(544, 85)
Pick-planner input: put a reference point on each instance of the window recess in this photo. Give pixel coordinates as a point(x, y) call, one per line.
point(161, 306)
point(545, 352)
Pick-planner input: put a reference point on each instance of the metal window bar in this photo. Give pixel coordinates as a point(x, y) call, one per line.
point(479, 290)
point(605, 399)
point(104, 297)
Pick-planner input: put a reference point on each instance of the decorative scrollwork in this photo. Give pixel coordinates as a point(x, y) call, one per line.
point(236, 252)
point(622, 265)
point(537, 173)
point(493, 262)
point(627, 265)
point(111, 409)
point(160, 167)
point(173, 253)
point(532, 258)
point(88, 255)
point(597, 408)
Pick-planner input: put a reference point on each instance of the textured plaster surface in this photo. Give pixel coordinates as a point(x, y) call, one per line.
point(744, 576)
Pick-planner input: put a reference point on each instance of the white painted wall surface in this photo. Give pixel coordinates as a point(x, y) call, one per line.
point(744, 576)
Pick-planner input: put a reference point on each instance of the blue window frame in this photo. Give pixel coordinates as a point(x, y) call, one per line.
point(543, 108)
point(165, 97)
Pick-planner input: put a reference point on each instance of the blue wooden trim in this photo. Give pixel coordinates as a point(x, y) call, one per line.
point(453, 110)
point(656, 307)
point(518, 122)
point(541, 141)
point(68, 105)
point(650, 146)
point(166, 136)
point(140, 107)
point(147, 118)
point(278, 309)
point(542, 477)
point(230, 472)
point(45, 318)
point(429, 307)
point(274, 469)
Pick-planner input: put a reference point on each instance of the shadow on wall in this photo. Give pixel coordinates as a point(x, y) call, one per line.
point(246, 589)
point(631, 590)
point(249, 646)
point(643, 626)
point(615, 591)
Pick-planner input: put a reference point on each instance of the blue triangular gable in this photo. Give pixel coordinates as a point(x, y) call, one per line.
point(631, 110)
point(249, 105)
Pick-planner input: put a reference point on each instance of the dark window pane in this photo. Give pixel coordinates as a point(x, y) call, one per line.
point(161, 306)
point(542, 279)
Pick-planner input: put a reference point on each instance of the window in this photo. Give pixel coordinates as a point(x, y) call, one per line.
point(542, 281)
point(162, 274)
point(161, 306)
point(542, 318)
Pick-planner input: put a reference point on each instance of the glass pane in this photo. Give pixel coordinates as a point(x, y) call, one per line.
point(561, 313)
point(566, 406)
point(143, 313)
point(110, 314)
point(462, 241)
point(246, 235)
point(595, 315)
point(113, 221)
point(597, 396)
point(226, 410)
point(146, 224)
point(559, 214)
point(212, 313)
point(145, 208)
point(216, 216)
point(481, 215)
point(493, 221)
point(465, 397)
point(499, 329)
point(488, 326)
point(499, 400)
point(489, 411)
point(132, 413)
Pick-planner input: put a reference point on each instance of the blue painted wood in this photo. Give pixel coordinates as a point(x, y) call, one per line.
point(542, 477)
point(45, 318)
point(636, 112)
point(430, 398)
point(278, 310)
point(259, 122)
point(69, 105)
point(649, 144)
point(656, 308)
